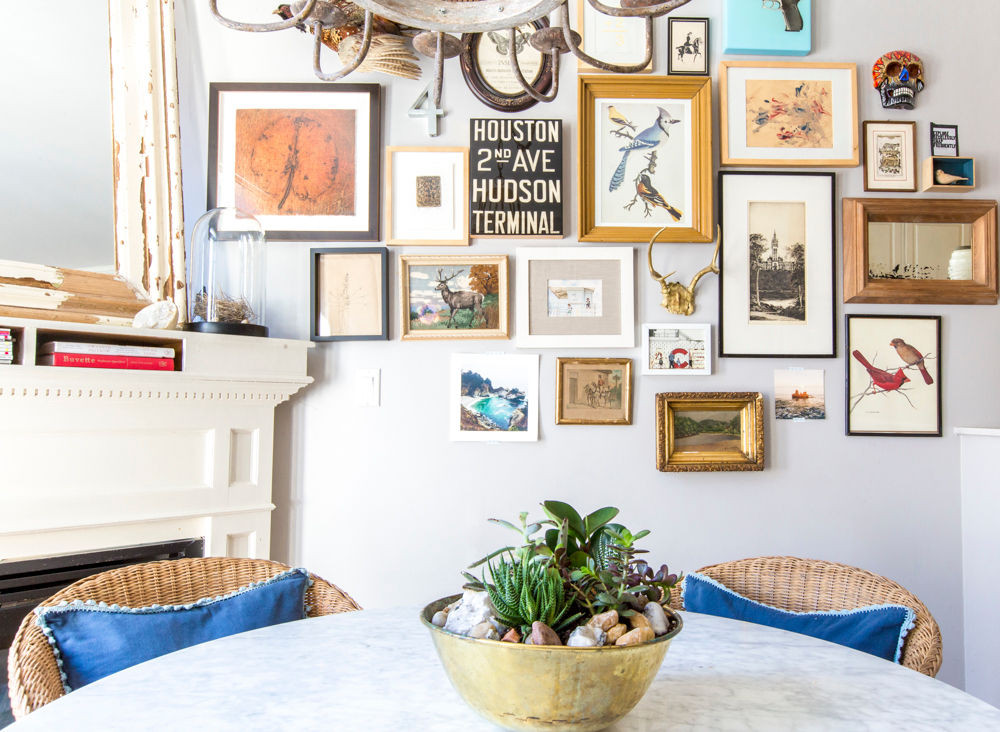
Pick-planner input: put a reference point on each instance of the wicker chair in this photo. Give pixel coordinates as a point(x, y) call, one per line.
point(33, 674)
point(807, 585)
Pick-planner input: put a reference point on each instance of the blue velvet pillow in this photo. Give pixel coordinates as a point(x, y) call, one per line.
point(91, 640)
point(876, 629)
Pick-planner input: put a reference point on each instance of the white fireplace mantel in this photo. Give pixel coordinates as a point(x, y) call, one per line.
point(99, 458)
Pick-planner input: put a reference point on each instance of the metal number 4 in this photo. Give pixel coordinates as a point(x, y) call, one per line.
point(424, 107)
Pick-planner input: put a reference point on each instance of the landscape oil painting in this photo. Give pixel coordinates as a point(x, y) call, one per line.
point(709, 431)
point(454, 297)
point(594, 391)
point(777, 260)
point(799, 394)
point(713, 431)
point(494, 397)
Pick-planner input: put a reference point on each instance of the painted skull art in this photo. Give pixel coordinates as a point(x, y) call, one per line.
point(899, 77)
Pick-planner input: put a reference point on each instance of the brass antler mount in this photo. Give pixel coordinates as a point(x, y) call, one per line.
point(677, 298)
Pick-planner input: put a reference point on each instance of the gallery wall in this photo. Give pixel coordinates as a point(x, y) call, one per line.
point(378, 500)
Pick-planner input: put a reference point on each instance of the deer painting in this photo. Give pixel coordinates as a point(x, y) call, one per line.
point(458, 300)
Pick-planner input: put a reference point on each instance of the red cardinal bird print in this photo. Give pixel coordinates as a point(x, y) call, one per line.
point(912, 357)
point(882, 379)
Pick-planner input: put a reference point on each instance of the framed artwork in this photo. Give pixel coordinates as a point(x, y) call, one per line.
point(688, 42)
point(493, 398)
point(453, 297)
point(593, 391)
point(645, 158)
point(302, 158)
point(488, 74)
point(681, 349)
point(890, 156)
point(427, 189)
point(894, 375)
point(620, 41)
point(349, 297)
point(576, 297)
point(799, 394)
point(709, 431)
point(788, 113)
point(768, 28)
point(944, 140)
point(776, 285)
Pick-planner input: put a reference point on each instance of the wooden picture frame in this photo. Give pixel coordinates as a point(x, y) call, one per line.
point(426, 194)
point(628, 197)
point(890, 155)
point(759, 128)
point(777, 280)
point(349, 294)
point(676, 349)
point(893, 374)
point(595, 391)
point(619, 41)
point(695, 46)
point(303, 158)
point(709, 431)
point(869, 281)
point(488, 74)
point(428, 310)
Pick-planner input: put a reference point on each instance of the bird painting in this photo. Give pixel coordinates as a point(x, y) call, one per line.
point(651, 197)
point(649, 139)
point(912, 357)
point(619, 119)
point(883, 380)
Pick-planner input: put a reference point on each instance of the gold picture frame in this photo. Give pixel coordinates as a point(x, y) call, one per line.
point(427, 191)
point(594, 391)
point(709, 444)
point(620, 200)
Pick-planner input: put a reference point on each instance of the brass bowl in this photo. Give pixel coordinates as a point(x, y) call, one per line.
point(526, 687)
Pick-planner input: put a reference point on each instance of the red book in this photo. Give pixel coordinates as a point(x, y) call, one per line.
point(102, 361)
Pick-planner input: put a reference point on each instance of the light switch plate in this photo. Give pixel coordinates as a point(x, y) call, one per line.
point(368, 387)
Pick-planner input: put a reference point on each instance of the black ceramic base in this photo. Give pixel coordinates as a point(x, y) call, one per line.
point(248, 329)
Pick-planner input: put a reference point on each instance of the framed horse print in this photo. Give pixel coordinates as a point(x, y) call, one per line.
point(688, 41)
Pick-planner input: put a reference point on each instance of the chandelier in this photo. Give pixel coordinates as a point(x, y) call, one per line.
point(363, 47)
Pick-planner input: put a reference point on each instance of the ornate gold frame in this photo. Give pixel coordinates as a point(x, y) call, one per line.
point(696, 88)
point(751, 408)
point(626, 363)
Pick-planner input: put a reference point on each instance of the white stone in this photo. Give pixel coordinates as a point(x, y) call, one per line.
point(586, 636)
point(474, 609)
point(440, 618)
point(657, 617)
point(162, 314)
point(485, 630)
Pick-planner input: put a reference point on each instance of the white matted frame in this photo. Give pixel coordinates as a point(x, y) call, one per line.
point(513, 378)
point(575, 297)
point(427, 195)
point(740, 105)
point(890, 156)
point(676, 349)
point(620, 41)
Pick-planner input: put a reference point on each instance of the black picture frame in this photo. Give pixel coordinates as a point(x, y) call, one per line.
point(937, 150)
point(673, 48)
point(895, 363)
point(368, 230)
point(315, 254)
point(480, 86)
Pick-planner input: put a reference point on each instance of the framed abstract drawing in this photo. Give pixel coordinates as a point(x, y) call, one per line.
point(676, 349)
point(493, 398)
point(426, 198)
point(768, 28)
point(709, 431)
point(612, 40)
point(890, 156)
point(776, 285)
point(687, 39)
point(645, 158)
point(488, 74)
point(894, 375)
point(788, 113)
point(349, 298)
point(302, 158)
point(593, 391)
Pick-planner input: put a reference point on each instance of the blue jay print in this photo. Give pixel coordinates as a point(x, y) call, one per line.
point(648, 139)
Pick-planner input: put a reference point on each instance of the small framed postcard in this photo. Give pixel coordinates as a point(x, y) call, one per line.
point(890, 156)
point(799, 394)
point(349, 298)
point(594, 391)
point(709, 431)
point(427, 192)
point(944, 140)
point(493, 398)
point(688, 41)
point(678, 349)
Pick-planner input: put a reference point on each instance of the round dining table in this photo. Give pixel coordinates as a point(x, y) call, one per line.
point(378, 670)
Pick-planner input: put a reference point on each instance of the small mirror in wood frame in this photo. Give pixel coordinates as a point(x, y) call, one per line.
point(709, 431)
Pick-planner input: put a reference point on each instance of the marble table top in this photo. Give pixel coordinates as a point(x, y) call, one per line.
point(378, 670)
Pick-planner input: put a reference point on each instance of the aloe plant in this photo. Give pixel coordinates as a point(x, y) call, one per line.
point(528, 590)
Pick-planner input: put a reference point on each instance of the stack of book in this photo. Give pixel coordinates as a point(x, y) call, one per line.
point(106, 356)
point(6, 346)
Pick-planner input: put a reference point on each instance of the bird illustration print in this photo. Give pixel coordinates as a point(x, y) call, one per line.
point(882, 379)
point(647, 140)
point(651, 197)
point(912, 357)
point(619, 119)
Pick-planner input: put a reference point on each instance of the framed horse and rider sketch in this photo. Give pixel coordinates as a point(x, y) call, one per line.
point(593, 391)
point(688, 42)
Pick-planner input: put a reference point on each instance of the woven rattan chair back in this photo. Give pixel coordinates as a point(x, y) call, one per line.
point(808, 585)
point(33, 674)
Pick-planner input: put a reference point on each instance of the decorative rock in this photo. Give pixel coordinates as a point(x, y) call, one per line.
point(484, 630)
point(543, 635)
point(604, 621)
point(512, 636)
point(639, 621)
point(586, 636)
point(500, 627)
point(615, 633)
point(474, 609)
point(162, 314)
point(440, 618)
point(636, 636)
point(653, 612)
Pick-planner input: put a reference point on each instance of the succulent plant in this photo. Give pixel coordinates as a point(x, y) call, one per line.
point(527, 590)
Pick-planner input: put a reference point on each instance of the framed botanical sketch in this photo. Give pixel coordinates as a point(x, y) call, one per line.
point(645, 158)
point(776, 285)
point(944, 140)
point(688, 42)
point(788, 113)
point(576, 297)
point(894, 375)
point(302, 158)
point(767, 28)
point(593, 391)
point(890, 156)
point(488, 73)
point(620, 41)
point(677, 349)
point(493, 397)
point(453, 296)
point(349, 298)
point(426, 199)
point(709, 431)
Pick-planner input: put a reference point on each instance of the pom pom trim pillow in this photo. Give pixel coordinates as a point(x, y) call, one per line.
point(876, 629)
point(93, 639)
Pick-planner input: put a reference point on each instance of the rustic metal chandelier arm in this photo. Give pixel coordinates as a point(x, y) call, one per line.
point(296, 19)
point(557, 49)
point(573, 41)
point(366, 42)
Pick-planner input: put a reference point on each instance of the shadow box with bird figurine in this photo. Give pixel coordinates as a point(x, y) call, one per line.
point(645, 158)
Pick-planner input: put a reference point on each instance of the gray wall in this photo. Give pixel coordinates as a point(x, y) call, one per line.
point(378, 500)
